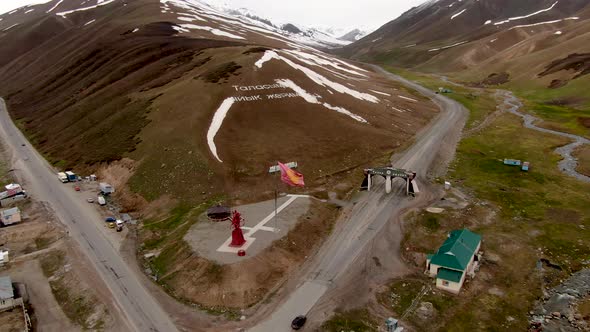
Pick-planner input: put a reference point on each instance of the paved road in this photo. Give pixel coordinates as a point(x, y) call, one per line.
point(142, 311)
point(371, 214)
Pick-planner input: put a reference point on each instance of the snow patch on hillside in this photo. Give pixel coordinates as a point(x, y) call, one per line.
point(445, 47)
point(406, 98)
point(98, 4)
point(317, 78)
point(318, 61)
point(381, 93)
point(526, 16)
point(216, 123)
point(10, 27)
point(459, 13)
point(542, 23)
point(268, 55)
point(212, 30)
point(56, 5)
point(314, 99)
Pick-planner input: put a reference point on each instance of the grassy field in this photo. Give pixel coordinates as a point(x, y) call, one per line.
point(522, 216)
point(565, 109)
point(80, 307)
point(5, 176)
point(479, 103)
point(358, 320)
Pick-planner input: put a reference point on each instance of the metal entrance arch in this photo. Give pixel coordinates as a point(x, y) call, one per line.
point(389, 173)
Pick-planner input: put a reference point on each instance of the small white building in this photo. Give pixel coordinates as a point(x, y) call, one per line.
point(7, 300)
point(455, 259)
point(10, 216)
point(3, 257)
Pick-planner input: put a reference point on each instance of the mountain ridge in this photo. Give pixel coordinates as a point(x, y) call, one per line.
point(423, 32)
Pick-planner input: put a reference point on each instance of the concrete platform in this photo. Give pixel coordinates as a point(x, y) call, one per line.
point(211, 240)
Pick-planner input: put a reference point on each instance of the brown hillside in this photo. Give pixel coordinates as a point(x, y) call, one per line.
point(145, 79)
point(452, 36)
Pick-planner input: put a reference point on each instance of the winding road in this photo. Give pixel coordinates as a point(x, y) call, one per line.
point(336, 257)
point(370, 214)
point(142, 311)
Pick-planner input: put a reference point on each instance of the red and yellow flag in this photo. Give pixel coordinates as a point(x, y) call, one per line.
point(291, 177)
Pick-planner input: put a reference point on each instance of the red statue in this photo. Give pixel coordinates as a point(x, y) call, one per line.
point(237, 237)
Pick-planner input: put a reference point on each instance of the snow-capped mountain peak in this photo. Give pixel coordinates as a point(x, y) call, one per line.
point(322, 37)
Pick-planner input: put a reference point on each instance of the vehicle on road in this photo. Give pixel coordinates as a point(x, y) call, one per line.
point(298, 322)
point(119, 225)
point(90, 200)
point(72, 177)
point(77, 188)
point(62, 177)
point(101, 201)
point(106, 188)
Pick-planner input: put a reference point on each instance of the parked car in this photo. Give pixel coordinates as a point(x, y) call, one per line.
point(110, 219)
point(298, 322)
point(112, 225)
point(77, 188)
point(90, 200)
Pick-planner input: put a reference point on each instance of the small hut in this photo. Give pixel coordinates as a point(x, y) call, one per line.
point(219, 213)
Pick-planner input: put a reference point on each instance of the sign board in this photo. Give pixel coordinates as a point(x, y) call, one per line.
point(389, 171)
point(276, 168)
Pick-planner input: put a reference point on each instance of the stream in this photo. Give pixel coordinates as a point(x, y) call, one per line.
point(569, 163)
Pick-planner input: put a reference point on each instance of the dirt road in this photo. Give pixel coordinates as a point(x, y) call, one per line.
point(371, 214)
point(142, 311)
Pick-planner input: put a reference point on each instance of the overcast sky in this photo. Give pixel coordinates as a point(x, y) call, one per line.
point(332, 13)
point(8, 5)
point(327, 13)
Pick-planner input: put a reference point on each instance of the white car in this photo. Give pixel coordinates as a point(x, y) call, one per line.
point(90, 200)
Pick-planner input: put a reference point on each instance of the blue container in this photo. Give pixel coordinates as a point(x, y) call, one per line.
point(512, 162)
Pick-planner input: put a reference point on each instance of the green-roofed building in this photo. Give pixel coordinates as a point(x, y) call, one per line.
point(456, 258)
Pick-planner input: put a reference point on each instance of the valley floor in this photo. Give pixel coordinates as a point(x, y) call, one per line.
point(534, 226)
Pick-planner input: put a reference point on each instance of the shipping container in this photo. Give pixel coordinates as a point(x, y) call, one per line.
point(512, 162)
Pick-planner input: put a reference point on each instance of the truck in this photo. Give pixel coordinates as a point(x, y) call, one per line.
point(72, 177)
point(106, 188)
point(5, 201)
point(101, 201)
point(62, 177)
point(119, 225)
point(11, 190)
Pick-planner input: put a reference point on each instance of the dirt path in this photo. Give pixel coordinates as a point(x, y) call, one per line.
point(50, 316)
point(569, 163)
